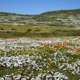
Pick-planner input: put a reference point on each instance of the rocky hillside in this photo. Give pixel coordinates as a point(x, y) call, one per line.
point(63, 18)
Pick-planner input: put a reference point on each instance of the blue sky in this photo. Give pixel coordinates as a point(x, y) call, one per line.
point(37, 6)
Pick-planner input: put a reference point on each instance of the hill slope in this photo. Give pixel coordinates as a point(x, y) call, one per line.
point(63, 18)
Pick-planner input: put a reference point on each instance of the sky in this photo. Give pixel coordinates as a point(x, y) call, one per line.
point(37, 6)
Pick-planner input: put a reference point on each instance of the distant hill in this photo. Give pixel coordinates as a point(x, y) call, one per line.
point(68, 18)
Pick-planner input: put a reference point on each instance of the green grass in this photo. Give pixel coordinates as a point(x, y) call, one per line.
point(9, 31)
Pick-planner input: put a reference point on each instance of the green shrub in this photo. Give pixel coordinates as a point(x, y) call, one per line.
point(29, 30)
point(1, 28)
point(13, 29)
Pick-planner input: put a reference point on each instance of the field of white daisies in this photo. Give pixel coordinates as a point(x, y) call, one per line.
point(40, 59)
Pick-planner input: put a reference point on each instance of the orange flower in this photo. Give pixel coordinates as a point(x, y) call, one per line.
point(49, 64)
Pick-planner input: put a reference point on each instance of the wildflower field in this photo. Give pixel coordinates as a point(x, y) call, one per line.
point(40, 59)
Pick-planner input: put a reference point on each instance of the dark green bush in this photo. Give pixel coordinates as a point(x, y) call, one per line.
point(29, 30)
point(1, 28)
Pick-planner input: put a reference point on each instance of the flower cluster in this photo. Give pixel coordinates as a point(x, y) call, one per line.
point(40, 59)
